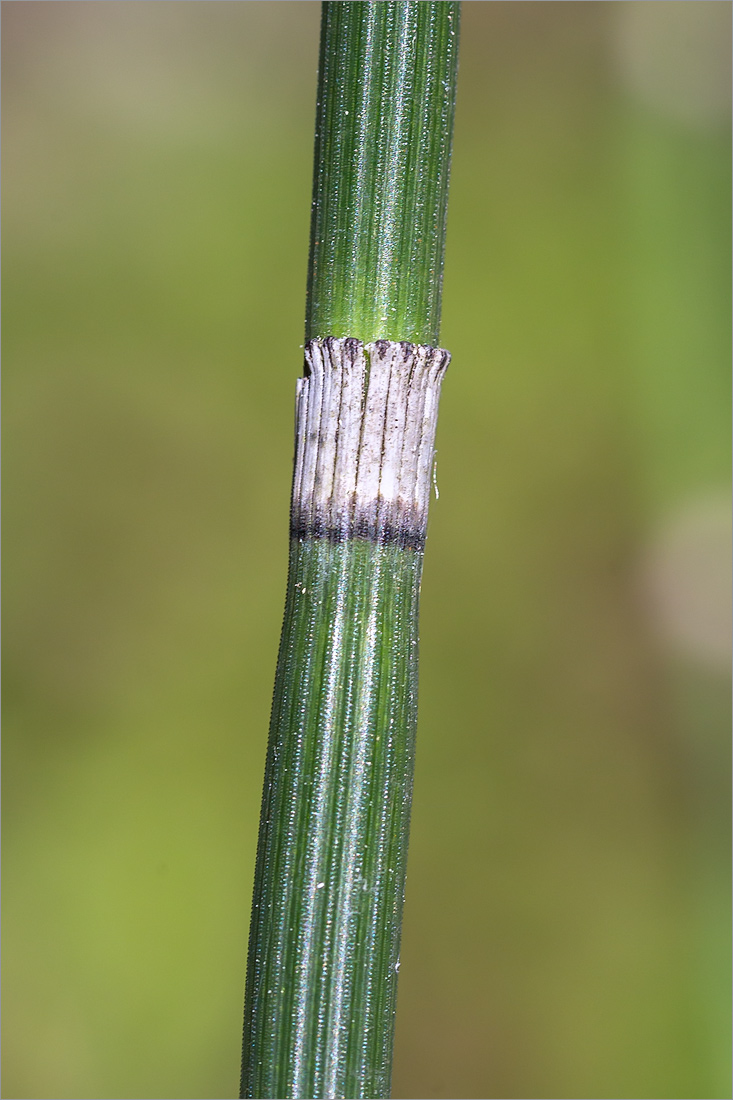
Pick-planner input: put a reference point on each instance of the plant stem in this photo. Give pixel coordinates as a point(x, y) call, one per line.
point(384, 120)
point(329, 882)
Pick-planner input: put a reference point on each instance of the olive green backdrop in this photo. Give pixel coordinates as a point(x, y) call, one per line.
point(566, 930)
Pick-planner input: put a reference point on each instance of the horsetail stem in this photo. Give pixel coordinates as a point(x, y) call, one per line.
point(330, 875)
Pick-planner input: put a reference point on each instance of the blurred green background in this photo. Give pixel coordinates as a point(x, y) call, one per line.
point(567, 918)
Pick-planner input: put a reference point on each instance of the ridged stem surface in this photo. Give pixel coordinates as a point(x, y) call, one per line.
point(384, 121)
point(330, 876)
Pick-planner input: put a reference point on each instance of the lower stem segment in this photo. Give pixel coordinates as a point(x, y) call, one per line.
point(330, 877)
point(324, 946)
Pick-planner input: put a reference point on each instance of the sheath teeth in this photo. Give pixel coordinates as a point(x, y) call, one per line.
point(365, 429)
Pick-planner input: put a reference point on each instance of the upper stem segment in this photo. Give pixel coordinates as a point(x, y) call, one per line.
point(384, 122)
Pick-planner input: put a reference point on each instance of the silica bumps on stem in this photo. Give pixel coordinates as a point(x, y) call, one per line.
point(332, 855)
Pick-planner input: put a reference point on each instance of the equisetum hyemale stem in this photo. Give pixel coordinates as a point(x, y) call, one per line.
point(330, 876)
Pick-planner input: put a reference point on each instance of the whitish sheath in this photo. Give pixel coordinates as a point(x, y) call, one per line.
point(330, 876)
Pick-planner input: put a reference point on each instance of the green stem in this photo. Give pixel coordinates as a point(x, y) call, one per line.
point(330, 866)
point(384, 120)
point(330, 876)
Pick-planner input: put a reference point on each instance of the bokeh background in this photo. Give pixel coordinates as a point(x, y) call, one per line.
point(567, 918)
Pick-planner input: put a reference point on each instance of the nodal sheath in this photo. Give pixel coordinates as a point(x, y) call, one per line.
point(365, 431)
